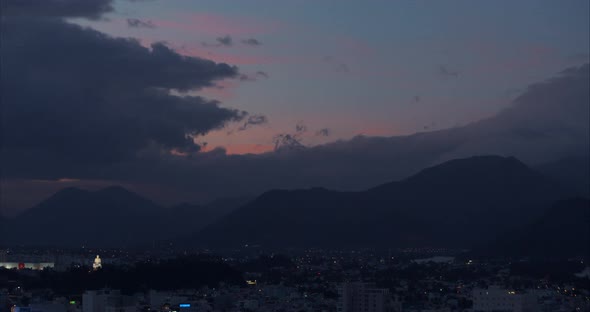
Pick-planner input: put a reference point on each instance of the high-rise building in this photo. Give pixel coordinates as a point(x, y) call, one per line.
point(363, 297)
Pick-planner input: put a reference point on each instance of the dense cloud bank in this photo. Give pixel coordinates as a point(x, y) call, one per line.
point(72, 96)
point(92, 9)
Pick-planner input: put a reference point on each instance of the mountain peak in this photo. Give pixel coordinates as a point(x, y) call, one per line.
point(464, 171)
point(476, 197)
point(68, 192)
point(71, 190)
point(475, 167)
point(114, 189)
point(116, 192)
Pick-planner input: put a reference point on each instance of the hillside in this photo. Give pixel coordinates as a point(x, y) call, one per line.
point(572, 172)
point(563, 231)
point(111, 217)
point(453, 204)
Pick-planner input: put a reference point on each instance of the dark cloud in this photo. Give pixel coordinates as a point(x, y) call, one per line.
point(325, 132)
point(342, 68)
point(546, 121)
point(246, 77)
point(291, 141)
point(92, 9)
point(137, 23)
point(512, 92)
point(225, 41)
point(73, 96)
point(336, 65)
point(430, 126)
point(262, 74)
point(287, 142)
point(251, 42)
point(253, 77)
point(444, 71)
point(253, 120)
point(300, 127)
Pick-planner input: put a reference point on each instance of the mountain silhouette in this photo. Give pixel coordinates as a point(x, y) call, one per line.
point(110, 217)
point(572, 172)
point(454, 204)
point(563, 231)
point(458, 203)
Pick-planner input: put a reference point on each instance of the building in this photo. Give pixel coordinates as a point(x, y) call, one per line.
point(27, 265)
point(97, 264)
point(107, 301)
point(172, 301)
point(502, 300)
point(363, 297)
point(121, 304)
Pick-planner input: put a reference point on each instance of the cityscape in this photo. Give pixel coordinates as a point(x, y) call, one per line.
point(294, 156)
point(250, 279)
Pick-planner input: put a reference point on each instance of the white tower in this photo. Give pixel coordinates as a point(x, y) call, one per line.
point(97, 263)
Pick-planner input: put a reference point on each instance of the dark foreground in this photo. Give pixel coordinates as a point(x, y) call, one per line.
point(251, 279)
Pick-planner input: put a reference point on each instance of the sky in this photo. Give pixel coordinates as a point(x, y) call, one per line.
point(363, 67)
point(195, 100)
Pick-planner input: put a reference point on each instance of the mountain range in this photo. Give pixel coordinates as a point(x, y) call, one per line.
point(455, 204)
point(564, 230)
point(111, 217)
point(459, 203)
point(572, 172)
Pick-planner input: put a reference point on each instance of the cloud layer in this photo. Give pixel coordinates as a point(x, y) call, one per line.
point(137, 23)
point(76, 97)
point(56, 8)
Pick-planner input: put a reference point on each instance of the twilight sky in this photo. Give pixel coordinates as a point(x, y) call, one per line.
point(363, 67)
point(172, 112)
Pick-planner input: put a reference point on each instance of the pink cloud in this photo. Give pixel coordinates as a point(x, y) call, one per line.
point(243, 148)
